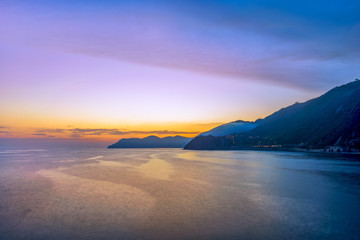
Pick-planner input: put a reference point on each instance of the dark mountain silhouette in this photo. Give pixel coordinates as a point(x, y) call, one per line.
point(330, 122)
point(231, 128)
point(152, 142)
point(217, 138)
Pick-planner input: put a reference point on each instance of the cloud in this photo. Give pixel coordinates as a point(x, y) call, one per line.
point(44, 134)
point(83, 132)
point(208, 125)
point(56, 130)
point(163, 132)
point(300, 44)
point(5, 130)
point(75, 135)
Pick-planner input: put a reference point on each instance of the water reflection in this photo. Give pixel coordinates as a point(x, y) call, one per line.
point(176, 194)
point(156, 168)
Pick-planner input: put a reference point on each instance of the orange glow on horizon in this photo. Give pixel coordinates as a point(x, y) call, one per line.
point(86, 132)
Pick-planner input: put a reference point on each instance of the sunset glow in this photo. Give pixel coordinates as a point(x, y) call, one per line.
point(132, 68)
point(179, 119)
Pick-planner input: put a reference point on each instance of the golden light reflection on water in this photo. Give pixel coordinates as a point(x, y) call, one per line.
point(127, 194)
point(221, 157)
point(195, 156)
point(156, 168)
point(124, 192)
point(113, 164)
point(82, 203)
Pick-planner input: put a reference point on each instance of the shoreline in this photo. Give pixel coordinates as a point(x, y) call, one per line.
point(321, 151)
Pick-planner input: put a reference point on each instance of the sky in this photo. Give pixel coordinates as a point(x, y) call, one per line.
point(104, 70)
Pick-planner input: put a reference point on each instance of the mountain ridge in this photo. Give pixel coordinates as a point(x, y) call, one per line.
point(330, 122)
point(152, 142)
point(238, 126)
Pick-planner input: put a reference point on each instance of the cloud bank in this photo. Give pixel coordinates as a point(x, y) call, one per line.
point(85, 132)
point(303, 44)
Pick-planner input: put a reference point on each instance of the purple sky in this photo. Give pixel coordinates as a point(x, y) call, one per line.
point(133, 64)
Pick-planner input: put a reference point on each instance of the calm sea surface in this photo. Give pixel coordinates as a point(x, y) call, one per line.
point(79, 193)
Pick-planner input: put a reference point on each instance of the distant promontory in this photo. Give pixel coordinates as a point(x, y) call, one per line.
point(152, 142)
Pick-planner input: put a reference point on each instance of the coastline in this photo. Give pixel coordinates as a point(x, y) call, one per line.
point(319, 151)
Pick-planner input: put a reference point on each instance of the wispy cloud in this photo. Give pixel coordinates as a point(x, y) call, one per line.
point(49, 130)
point(83, 132)
point(5, 132)
point(43, 134)
point(212, 124)
point(304, 45)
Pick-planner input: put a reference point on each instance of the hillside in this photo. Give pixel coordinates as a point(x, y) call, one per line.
point(231, 128)
point(331, 122)
point(152, 142)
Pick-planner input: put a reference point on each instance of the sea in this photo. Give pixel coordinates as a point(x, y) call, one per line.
point(98, 193)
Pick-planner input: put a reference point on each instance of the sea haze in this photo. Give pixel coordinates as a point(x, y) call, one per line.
point(81, 193)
